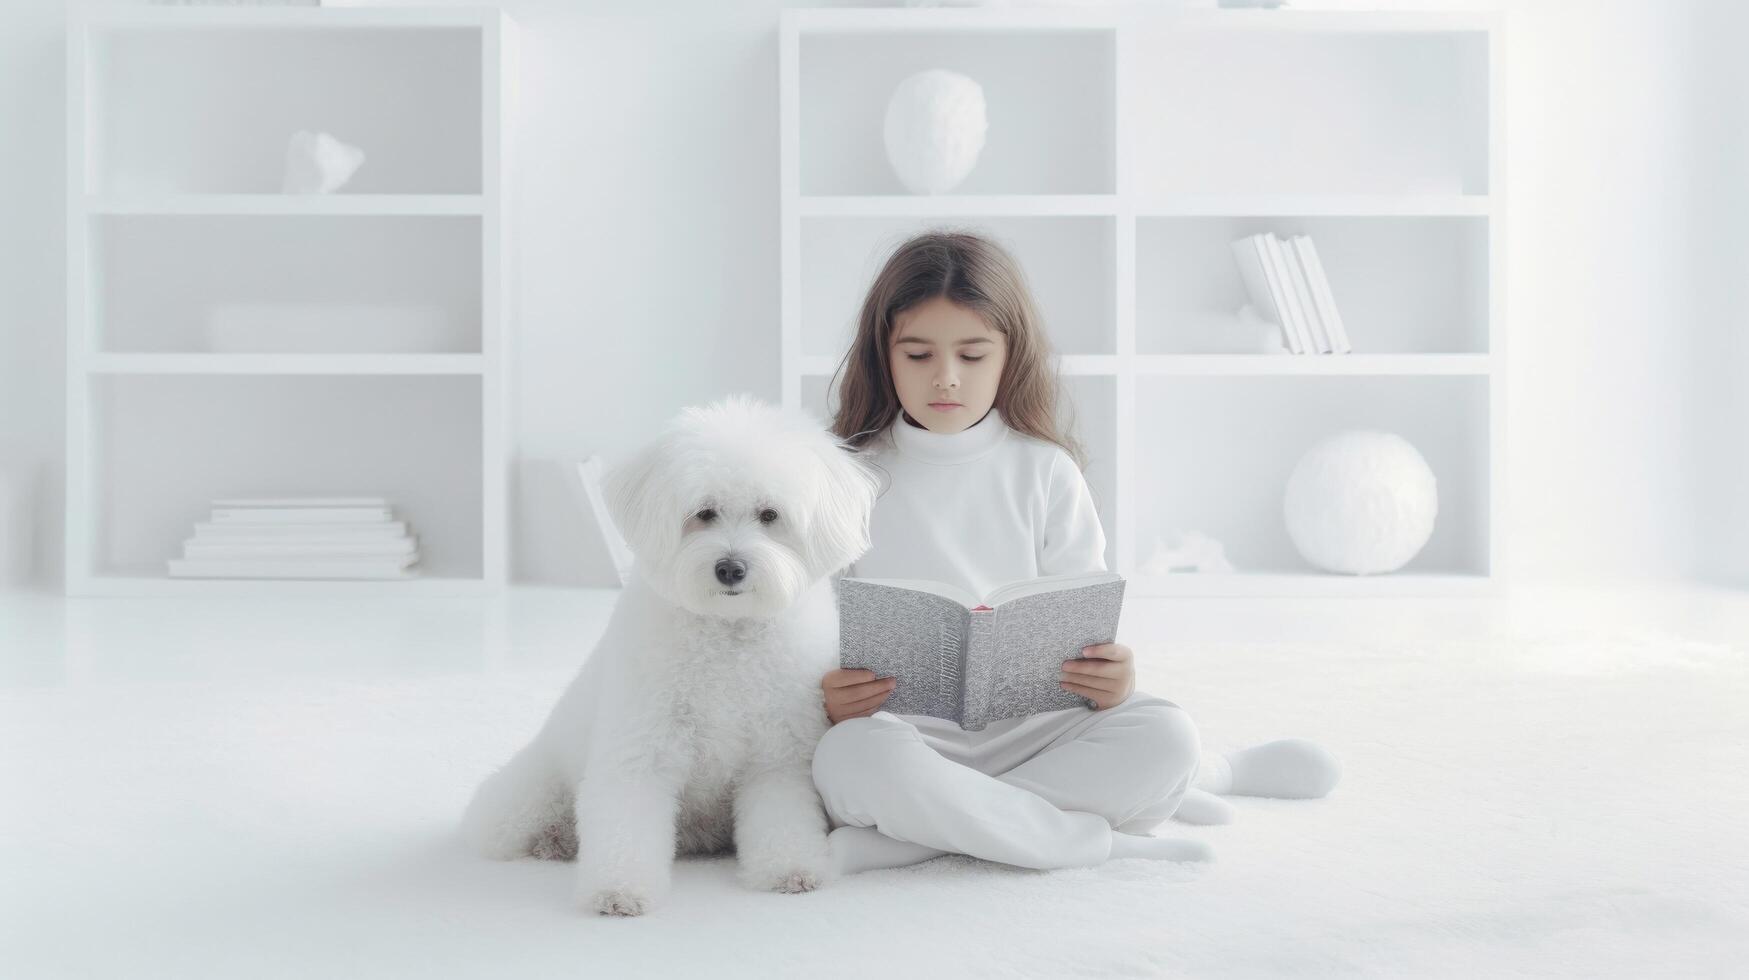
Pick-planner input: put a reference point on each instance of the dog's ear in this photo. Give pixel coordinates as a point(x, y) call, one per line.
point(838, 527)
point(638, 502)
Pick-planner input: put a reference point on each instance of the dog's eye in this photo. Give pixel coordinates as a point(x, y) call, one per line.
point(767, 515)
point(707, 515)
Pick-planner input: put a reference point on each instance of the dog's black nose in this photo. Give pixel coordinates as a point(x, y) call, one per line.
point(730, 571)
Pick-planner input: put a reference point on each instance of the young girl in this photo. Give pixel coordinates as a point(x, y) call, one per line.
point(949, 391)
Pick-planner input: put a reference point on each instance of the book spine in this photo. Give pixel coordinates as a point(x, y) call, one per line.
point(1253, 273)
point(1281, 290)
point(1303, 293)
point(1296, 294)
point(1250, 265)
point(950, 664)
point(1313, 299)
point(1339, 333)
point(976, 688)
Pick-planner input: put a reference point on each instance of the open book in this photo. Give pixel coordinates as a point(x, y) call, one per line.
point(972, 662)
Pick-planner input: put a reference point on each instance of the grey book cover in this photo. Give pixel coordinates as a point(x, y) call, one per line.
point(972, 661)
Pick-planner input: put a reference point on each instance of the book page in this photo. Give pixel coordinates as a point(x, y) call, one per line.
point(944, 589)
point(1013, 672)
point(917, 637)
point(1047, 583)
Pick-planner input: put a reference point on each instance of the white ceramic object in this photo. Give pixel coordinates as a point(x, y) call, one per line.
point(935, 129)
point(317, 163)
point(1361, 502)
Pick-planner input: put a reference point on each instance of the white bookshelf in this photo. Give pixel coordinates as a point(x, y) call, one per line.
point(191, 281)
point(1127, 147)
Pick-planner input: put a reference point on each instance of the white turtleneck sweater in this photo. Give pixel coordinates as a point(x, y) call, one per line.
point(978, 508)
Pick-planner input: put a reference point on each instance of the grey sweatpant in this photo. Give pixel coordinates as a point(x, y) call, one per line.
point(1043, 791)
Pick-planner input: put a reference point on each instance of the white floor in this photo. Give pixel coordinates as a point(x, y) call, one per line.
point(1551, 785)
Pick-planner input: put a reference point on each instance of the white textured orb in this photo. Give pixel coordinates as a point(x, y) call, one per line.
point(1361, 502)
point(935, 130)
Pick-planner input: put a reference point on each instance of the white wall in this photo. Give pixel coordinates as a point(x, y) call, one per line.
point(32, 263)
point(1719, 361)
point(1630, 186)
point(650, 257)
point(1600, 137)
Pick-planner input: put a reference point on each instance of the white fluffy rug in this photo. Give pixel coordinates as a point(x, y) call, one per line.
point(1556, 805)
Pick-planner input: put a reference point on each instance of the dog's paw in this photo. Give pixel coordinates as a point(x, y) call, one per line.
point(803, 865)
point(556, 842)
point(789, 877)
point(796, 881)
point(622, 891)
point(618, 901)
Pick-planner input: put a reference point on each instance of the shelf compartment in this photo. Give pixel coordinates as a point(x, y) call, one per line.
point(1049, 99)
point(409, 97)
point(164, 447)
point(1403, 285)
point(1069, 261)
point(1219, 451)
point(288, 285)
point(1331, 111)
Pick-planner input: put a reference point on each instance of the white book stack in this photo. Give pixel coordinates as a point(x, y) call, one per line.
point(299, 537)
point(1285, 282)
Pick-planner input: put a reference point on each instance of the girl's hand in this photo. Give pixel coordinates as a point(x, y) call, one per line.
point(854, 693)
point(1107, 679)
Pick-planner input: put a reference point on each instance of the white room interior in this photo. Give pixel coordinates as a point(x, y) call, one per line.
point(1541, 732)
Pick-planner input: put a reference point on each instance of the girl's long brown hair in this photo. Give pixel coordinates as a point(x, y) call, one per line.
point(978, 274)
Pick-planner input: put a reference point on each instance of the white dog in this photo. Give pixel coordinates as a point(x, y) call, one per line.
point(693, 722)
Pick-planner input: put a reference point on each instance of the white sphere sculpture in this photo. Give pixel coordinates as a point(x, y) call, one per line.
point(1361, 502)
point(935, 130)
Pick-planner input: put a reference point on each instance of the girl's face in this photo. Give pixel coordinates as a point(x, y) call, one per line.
point(946, 363)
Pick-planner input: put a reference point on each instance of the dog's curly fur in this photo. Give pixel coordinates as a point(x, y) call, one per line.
point(691, 727)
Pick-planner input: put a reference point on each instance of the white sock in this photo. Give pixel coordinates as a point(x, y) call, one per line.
point(1287, 768)
point(1203, 808)
point(856, 849)
point(1158, 848)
